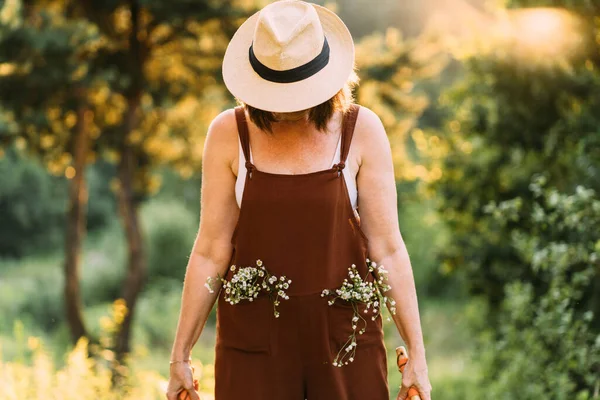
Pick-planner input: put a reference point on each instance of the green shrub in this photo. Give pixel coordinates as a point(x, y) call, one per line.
point(102, 205)
point(170, 233)
point(31, 290)
point(32, 206)
point(103, 265)
point(157, 313)
point(548, 344)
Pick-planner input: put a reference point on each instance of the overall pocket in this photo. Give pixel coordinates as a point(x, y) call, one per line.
point(246, 325)
point(340, 315)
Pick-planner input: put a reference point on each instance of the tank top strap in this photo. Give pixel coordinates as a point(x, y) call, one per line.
point(242, 124)
point(348, 124)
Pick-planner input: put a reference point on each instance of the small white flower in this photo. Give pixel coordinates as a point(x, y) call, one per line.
point(355, 289)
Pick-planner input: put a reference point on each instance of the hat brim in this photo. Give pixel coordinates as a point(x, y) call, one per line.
point(246, 85)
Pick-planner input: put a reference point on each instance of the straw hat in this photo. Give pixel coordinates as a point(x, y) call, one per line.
point(289, 56)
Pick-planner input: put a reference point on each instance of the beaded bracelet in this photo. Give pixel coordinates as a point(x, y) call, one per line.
point(179, 361)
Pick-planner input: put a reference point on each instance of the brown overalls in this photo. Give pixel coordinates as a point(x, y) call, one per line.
point(301, 226)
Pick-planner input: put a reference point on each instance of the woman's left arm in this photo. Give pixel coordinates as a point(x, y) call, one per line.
point(379, 220)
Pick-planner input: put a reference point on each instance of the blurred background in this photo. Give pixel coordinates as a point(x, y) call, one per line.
point(493, 113)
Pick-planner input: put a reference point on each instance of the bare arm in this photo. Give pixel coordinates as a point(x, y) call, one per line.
point(212, 248)
point(379, 220)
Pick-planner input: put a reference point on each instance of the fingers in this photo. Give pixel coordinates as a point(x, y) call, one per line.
point(409, 388)
point(194, 395)
point(172, 395)
point(425, 395)
point(424, 388)
point(403, 393)
point(176, 391)
point(189, 389)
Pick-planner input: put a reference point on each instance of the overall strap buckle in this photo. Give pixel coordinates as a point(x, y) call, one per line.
point(339, 167)
point(249, 167)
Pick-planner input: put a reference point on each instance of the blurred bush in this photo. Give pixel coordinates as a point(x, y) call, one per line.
point(549, 338)
point(103, 266)
point(424, 233)
point(527, 247)
point(33, 374)
point(31, 290)
point(170, 233)
point(158, 312)
point(33, 204)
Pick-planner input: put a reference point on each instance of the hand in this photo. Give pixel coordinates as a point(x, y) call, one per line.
point(181, 382)
point(415, 375)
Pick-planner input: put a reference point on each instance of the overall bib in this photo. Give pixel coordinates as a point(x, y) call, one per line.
point(301, 226)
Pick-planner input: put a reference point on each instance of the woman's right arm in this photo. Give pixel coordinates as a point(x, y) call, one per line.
point(212, 247)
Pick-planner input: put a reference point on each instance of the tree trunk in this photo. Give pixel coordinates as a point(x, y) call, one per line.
point(76, 224)
point(128, 202)
point(128, 208)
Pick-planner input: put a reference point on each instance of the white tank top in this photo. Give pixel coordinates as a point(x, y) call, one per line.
point(350, 182)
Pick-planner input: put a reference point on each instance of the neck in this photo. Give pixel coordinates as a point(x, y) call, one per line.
point(292, 116)
point(292, 121)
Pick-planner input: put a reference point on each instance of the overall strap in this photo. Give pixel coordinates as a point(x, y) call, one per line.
point(242, 124)
point(348, 124)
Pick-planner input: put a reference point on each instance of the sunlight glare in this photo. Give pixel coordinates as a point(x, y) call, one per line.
point(545, 31)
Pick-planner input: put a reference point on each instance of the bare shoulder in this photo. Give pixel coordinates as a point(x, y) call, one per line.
point(371, 138)
point(221, 144)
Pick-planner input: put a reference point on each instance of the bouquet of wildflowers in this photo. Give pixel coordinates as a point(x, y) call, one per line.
point(248, 282)
point(357, 290)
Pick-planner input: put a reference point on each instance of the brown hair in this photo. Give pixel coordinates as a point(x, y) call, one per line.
point(319, 115)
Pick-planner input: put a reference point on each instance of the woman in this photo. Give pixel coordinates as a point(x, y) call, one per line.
point(273, 198)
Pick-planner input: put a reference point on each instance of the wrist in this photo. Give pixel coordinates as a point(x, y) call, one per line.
point(416, 352)
point(181, 354)
point(180, 360)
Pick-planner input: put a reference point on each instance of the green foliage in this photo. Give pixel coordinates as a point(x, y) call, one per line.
point(158, 313)
point(32, 291)
point(33, 203)
point(512, 121)
point(32, 207)
point(526, 246)
point(101, 207)
point(550, 329)
point(170, 232)
point(102, 265)
point(423, 233)
point(391, 68)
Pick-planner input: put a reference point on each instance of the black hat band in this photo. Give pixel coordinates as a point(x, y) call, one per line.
point(291, 75)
